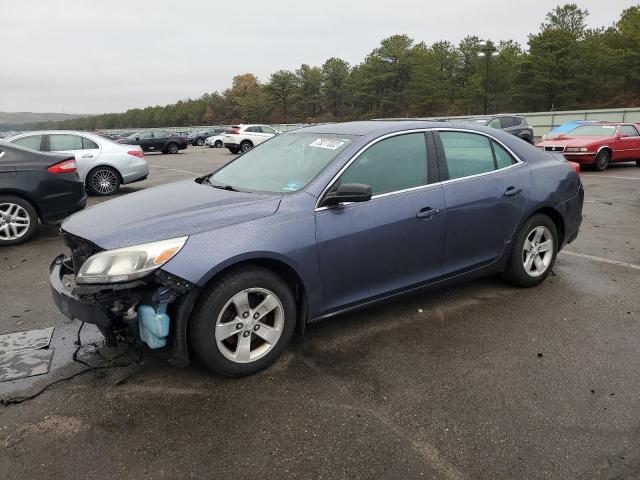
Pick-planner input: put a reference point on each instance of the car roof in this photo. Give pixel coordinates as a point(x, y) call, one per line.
point(368, 127)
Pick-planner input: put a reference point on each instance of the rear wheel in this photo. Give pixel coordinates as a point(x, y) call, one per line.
point(200, 142)
point(172, 148)
point(218, 144)
point(602, 160)
point(18, 220)
point(103, 181)
point(243, 322)
point(245, 146)
point(534, 252)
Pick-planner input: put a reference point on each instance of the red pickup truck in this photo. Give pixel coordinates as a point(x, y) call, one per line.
point(598, 144)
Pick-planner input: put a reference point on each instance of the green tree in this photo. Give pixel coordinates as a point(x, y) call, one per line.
point(309, 82)
point(283, 87)
point(335, 73)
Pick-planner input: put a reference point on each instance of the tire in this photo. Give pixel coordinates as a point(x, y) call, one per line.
point(18, 220)
point(216, 319)
point(172, 148)
point(523, 269)
point(103, 181)
point(638, 163)
point(200, 142)
point(602, 160)
point(235, 151)
point(218, 144)
point(245, 146)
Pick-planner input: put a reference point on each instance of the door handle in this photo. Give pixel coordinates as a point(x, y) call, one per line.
point(87, 155)
point(427, 212)
point(512, 191)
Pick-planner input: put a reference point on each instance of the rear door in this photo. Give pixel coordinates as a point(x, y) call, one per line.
point(34, 142)
point(628, 143)
point(159, 139)
point(485, 193)
point(75, 145)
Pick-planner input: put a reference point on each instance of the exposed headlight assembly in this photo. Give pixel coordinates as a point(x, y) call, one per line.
point(128, 263)
point(576, 149)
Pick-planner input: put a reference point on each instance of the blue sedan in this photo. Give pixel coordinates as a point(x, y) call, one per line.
point(309, 225)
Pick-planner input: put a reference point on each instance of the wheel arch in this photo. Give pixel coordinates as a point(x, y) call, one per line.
point(278, 265)
point(556, 217)
point(24, 196)
point(104, 164)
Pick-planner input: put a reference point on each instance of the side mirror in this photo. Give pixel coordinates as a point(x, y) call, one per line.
point(347, 192)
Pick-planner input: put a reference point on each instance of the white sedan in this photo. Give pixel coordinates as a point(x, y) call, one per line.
point(215, 141)
point(102, 164)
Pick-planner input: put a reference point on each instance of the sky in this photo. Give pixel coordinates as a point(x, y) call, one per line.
point(98, 56)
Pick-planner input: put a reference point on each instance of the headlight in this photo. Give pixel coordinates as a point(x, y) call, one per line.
point(129, 263)
point(576, 149)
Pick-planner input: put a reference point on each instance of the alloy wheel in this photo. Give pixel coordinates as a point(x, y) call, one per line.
point(104, 181)
point(14, 221)
point(249, 325)
point(537, 251)
point(245, 147)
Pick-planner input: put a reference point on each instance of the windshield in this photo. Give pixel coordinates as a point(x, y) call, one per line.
point(593, 131)
point(285, 163)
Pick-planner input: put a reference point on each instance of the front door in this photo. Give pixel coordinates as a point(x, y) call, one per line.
point(485, 196)
point(391, 242)
point(627, 146)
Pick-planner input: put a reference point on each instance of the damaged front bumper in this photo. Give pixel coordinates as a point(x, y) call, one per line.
point(152, 310)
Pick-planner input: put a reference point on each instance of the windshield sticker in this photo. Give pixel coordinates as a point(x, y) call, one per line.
point(291, 187)
point(610, 127)
point(327, 143)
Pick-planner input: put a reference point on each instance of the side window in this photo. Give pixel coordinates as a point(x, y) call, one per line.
point(252, 129)
point(89, 144)
point(160, 134)
point(629, 130)
point(495, 123)
point(32, 141)
point(392, 164)
point(467, 154)
point(503, 158)
point(145, 135)
point(508, 122)
point(268, 130)
point(60, 142)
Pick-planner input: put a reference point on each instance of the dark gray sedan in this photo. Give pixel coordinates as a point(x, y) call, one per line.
point(309, 225)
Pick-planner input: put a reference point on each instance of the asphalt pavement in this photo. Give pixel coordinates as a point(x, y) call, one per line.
point(479, 381)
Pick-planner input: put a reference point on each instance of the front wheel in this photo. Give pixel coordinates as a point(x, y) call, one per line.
point(534, 252)
point(218, 144)
point(200, 142)
point(18, 220)
point(602, 160)
point(246, 146)
point(243, 322)
point(103, 181)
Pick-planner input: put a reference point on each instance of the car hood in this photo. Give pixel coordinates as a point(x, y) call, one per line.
point(167, 211)
point(573, 141)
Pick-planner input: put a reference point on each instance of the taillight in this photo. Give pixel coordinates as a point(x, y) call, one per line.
point(66, 166)
point(136, 153)
point(575, 166)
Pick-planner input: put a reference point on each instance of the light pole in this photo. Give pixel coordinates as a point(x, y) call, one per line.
point(487, 50)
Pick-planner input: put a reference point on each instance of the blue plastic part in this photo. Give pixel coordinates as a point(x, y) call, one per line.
point(153, 325)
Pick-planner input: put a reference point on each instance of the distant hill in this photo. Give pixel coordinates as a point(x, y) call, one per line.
point(20, 118)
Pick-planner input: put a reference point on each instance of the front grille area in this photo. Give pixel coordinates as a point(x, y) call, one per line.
point(555, 148)
point(81, 249)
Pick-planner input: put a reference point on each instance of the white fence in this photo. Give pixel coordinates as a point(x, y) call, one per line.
point(541, 122)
